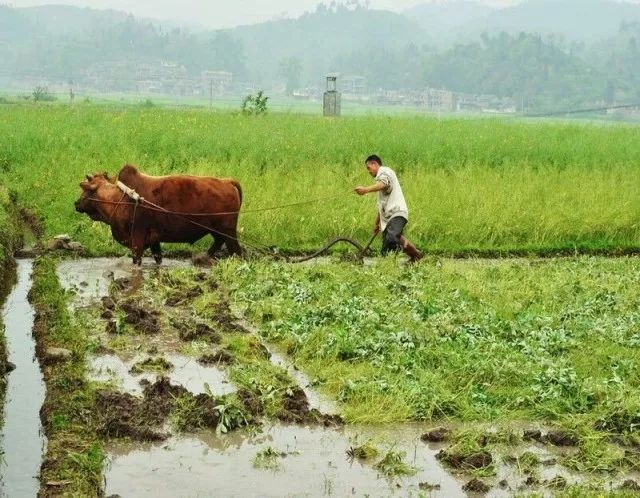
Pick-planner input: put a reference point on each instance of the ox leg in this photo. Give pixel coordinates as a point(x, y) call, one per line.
point(156, 251)
point(218, 242)
point(137, 248)
point(232, 244)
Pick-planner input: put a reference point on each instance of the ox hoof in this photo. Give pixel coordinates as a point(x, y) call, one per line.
point(158, 259)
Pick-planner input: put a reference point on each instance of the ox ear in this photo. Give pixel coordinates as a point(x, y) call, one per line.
point(89, 177)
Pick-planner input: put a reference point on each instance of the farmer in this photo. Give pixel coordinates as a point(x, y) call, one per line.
point(393, 213)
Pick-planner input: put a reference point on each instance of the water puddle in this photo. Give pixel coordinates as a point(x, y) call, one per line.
point(89, 279)
point(315, 463)
point(186, 372)
point(309, 461)
point(22, 437)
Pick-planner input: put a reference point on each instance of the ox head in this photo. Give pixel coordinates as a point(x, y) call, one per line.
point(93, 192)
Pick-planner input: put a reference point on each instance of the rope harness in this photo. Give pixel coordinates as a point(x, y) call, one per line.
point(138, 200)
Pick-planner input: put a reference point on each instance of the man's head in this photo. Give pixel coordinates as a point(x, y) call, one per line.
point(373, 164)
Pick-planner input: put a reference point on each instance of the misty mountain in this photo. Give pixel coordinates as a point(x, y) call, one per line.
point(317, 37)
point(53, 20)
point(586, 20)
point(442, 21)
point(62, 41)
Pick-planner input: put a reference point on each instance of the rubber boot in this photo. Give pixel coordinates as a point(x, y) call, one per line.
point(410, 250)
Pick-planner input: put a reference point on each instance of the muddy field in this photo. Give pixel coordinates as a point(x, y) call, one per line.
point(159, 383)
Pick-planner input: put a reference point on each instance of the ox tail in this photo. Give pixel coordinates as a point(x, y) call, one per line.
point(236, 184)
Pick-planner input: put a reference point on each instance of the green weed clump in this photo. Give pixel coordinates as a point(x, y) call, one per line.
point(393, 465)
point(473, 186)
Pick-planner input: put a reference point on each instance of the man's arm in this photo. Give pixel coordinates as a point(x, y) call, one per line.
point(376, 226)
point(377, 187)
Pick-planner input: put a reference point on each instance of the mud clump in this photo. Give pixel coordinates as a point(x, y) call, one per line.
point(476, 486)
point(532, 481)
point(124, 415)
point(159, 399)
point(425, 486)
point(556, 438)
point(630, 485)
point(122, 283)
point(560, 438)
point(226, 319)
point(183, 297)
point(121, 416)
point(437, 435)
point(251, 402)
point(296, 410)
point(142, 320)
point(152, 365)
point(532, 435)
point(295, 407)
point(189, 331)
point(203, 413)
point(474, 461)
point(108, 303)
point(220, 357)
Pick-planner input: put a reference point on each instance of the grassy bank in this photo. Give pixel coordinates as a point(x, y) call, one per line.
point(474, 186)
point(72, 465)
point(9, 240)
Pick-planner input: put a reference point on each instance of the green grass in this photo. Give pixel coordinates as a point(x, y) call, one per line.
point(74, 455)
point(9, 240)
point(473, 186)
point(551, 340)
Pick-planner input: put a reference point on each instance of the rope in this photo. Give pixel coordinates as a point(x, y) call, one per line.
point(263, 248)
point(225, 213)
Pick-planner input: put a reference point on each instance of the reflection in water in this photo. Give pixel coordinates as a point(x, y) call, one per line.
point(315, 465)
point(186, 372)
point(22, 439)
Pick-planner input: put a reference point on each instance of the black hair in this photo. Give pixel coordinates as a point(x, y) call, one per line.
point(373, 159)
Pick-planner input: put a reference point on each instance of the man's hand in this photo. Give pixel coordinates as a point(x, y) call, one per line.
point(361, 190)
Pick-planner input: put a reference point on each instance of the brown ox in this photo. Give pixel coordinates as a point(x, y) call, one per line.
point(145, 227)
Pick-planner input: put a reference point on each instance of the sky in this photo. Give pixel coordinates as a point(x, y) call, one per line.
point(222, 13)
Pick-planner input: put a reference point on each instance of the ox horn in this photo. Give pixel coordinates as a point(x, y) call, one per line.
point(89, 177)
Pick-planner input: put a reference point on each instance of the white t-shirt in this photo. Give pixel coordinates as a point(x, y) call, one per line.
point(391, 201)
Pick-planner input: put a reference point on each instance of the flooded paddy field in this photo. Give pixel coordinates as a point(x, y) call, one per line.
point(181, 381)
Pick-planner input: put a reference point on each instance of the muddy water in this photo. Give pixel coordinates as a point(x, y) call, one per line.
point(22, 440)
point(316, 464)
point(90, 278)
point(186, 372)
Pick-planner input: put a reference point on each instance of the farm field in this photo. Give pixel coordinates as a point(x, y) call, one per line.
point(480, 187)
point(511, 371)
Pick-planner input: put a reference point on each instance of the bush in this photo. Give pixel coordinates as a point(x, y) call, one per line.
point(41, 94)
point(255, 104)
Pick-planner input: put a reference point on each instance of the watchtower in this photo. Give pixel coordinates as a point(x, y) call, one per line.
point(332, 98)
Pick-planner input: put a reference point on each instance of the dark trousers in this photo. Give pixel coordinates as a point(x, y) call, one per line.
point(391, 235)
